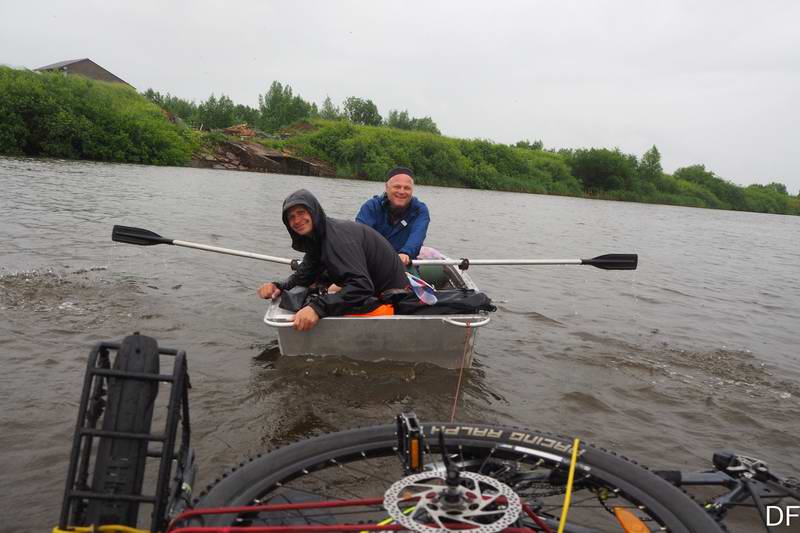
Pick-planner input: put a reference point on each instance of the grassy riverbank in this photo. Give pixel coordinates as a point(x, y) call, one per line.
point(367, 152)
point(71, 117)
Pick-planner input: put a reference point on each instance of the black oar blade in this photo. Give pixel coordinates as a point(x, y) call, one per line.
point(138, 236)
point(613, 261)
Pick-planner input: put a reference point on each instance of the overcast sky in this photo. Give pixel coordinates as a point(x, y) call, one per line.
point(715, 83)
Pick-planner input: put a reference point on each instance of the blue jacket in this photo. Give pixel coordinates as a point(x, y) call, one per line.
point(407, 235)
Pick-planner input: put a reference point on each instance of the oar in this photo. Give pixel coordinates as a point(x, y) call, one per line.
point(606, 262)
point(143, 237)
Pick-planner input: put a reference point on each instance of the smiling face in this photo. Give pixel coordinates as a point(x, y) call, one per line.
point(399, 190)
point(300, 220)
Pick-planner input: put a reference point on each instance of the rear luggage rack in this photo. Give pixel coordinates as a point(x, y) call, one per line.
point(116, 411)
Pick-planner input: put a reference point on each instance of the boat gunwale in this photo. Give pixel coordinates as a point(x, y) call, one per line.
point(288, 317)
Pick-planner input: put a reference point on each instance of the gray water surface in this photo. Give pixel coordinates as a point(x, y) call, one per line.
point(694, 352)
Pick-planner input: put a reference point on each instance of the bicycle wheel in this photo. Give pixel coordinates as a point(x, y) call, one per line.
point(364, 463)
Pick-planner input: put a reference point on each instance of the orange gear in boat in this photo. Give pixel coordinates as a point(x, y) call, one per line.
point(381, 310)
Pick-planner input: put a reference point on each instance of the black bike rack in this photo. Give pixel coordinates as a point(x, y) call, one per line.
point(173, 485)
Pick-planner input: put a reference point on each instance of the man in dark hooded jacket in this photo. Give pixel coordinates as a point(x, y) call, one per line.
point(354, 256)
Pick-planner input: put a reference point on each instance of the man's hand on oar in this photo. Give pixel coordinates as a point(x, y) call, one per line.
point(269, 290)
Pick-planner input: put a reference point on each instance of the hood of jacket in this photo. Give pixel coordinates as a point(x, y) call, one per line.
point(310, 242)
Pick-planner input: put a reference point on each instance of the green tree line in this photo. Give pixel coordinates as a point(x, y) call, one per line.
point(598, 172)
point(280, 107)
point(614, 175)
point(51, 115)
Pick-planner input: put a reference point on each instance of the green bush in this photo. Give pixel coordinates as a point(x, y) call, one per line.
point(51, 115)
point(603, 169)
point(770, 199)
point(730, 196)
point(367, 152)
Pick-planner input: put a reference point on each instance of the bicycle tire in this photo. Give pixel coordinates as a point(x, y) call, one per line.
point(267, 478)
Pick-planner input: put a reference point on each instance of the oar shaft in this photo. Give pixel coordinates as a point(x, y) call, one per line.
point(606, 262)
point(143, 237)
point(499, 262)
point(240, 253)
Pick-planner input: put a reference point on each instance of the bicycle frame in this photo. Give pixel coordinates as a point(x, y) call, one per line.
point(745, 478)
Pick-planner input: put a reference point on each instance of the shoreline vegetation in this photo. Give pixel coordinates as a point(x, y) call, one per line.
point(71, 117)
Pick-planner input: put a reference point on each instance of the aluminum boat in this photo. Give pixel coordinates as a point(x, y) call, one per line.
point(444, 340)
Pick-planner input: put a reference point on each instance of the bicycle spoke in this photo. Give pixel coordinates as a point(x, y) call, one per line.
point(351, 467)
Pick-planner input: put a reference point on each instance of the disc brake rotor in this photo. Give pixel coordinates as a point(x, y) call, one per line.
point(417, 502)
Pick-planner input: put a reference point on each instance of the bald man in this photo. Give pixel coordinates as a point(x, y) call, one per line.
point(398, 215)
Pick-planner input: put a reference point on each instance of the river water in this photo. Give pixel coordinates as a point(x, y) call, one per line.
point(694, 352)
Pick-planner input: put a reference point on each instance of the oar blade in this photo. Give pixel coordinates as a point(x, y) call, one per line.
point(137, 236)
point(613, 261)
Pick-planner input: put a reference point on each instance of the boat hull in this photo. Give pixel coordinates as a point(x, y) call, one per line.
point(446, 341)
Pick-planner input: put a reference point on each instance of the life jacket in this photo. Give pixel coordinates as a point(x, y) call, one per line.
point(381, 310)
